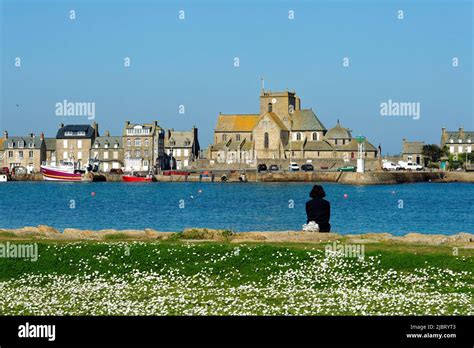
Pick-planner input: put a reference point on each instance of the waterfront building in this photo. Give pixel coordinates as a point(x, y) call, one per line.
point(457, 142)
point(73, 142)
point(412, 151)
point(2, 151)
point(109, 151)
point(143, 146)
point(281, 131)
point(50, 150)
point(181, 148)
point(24, 151)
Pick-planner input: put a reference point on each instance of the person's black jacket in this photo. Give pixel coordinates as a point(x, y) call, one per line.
point(319, 211)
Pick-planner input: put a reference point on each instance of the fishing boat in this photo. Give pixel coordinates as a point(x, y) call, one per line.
point(69, 171)
point(136, 178)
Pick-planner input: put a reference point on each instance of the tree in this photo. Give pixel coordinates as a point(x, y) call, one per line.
point(433, 152)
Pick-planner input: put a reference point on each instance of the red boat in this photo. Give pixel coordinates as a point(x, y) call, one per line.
point(132, 178)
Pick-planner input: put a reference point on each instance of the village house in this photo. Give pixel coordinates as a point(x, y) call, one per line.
point(412, 151)
point(50, 150)
point(457, 142)
point(28, 152)
point(281, 131)
point(181, 148)
point(109, 151)
point(73, 143)
point(143, 146)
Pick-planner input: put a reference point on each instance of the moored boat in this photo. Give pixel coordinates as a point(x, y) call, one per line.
point(131, 178)
point(66, 171)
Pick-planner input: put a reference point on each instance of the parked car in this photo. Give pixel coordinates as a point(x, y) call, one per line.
point(347, 169)
point(293, 167)
point(390, 166)
point(262, 167)
point(117, 171)
point(307, 167)
point(274, 168)
point(410, 165)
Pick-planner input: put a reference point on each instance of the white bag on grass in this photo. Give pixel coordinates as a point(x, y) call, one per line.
point(311, 227)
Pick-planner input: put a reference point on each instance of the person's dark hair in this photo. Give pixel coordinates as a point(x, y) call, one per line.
point(317, 192)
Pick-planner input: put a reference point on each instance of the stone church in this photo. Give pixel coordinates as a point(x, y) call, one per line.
point(282, 130)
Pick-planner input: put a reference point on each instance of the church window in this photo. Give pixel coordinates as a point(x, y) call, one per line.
point(265, 140)
point(315, 136)
point(237, 137)
point(298, 136)
point(270, 107)
point(224, 137)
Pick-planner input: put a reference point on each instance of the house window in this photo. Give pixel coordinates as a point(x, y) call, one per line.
point(147, 142)
point(137, 153)
point(30, 154)
point(186, 152)
point(237, 137)
point(460, 149)
point(146, 153)
point(298, 136)
point(178, 152)
point(224, 137)
point(145, 163)
point(65, 155)
point(451, 149)
point(138, 142)
point(79, 144)
point(79, 155)
point(129, 142)
point(265, 140)
point(21, 143)
point(96, 154)
point(65, 144)
point(106, 154)
point(20, 154)
point(115, 154)
point(315, 136)
point(10, 154)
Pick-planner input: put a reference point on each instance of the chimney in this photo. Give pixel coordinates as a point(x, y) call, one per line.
point(32, 135)
point(107, 134)
point(41, 136)
point(461, 132)
point(5, 134)
point(443, 130)
point(127, 123)
point(95, 125)
point(61, 125)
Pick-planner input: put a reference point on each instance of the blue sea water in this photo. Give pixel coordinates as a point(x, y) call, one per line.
point(398, 209)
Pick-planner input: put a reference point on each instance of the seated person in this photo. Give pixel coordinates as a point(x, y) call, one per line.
point(318, 209)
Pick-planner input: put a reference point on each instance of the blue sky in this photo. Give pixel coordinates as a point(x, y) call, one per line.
point(190, 62)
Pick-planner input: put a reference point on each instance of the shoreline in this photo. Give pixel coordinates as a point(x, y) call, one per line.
point(346, 178)
point(43, 232)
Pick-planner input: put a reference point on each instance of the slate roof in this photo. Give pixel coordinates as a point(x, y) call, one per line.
point(89, 131)
point(180, 139)
point(318, 145)
point(36, 141)
point(456, 137)
point(338, 132)
point(236, 122)
point(352, 146)
point(50, 144)
point(231, 145)
point(413, 147)
point(306, 120)
point(111, 140)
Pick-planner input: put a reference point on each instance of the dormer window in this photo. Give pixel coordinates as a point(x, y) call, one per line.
point(460, 141)
point(116, 145)
point(21, 143)
point(10, 144)
point(106, 145)
point(469, 141)
point(31, 145)
point(451, 141)
point(81, 133)
point(96, 145)
point(68, 133)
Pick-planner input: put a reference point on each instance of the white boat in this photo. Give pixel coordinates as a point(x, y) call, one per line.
point(68, 171)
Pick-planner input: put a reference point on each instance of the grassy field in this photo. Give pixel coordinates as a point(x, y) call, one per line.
point(180, 277)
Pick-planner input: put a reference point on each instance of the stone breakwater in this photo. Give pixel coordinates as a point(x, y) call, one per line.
point(42, 232)
point(349, 178)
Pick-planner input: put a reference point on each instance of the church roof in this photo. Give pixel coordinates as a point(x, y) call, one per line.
point(275, 119)
point(352, 146)
point(318, 145)
point(306, 120)
point(236, 122)
point(338, 132)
